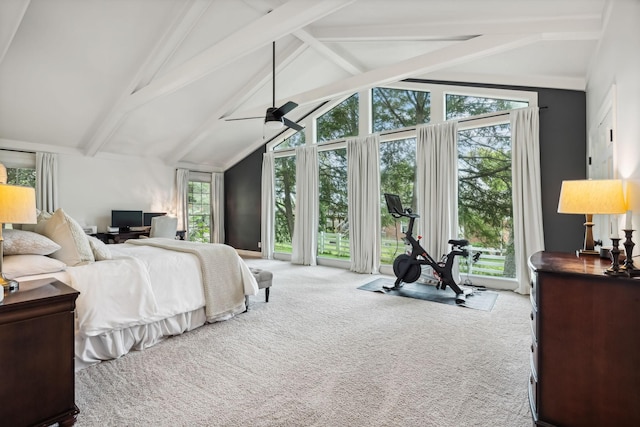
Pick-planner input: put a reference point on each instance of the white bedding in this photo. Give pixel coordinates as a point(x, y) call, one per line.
point(137, 298)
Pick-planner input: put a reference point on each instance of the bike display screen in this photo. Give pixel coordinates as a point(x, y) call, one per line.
point(394, 204)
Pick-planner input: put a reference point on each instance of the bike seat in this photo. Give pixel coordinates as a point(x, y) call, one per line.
point(461, 242)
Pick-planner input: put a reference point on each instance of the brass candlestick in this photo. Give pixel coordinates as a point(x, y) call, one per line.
point(628, 248)
point(615, 269)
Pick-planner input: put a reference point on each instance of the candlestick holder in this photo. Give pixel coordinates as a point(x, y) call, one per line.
point(628, 248)
point(615, 269)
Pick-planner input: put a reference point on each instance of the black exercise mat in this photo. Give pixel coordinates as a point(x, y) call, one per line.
point(479, 300)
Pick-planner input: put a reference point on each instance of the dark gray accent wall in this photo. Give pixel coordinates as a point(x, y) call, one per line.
point(242, 190)
point(562, 156)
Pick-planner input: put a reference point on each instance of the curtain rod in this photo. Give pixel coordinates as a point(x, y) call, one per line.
point(470, 119)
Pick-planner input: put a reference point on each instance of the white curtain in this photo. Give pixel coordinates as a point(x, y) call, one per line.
point(363, 188)
point(305, 230)
point(267, 233)
point(437, 186)
point(527, 200)
point(217, 207)
point(47, 181)
point(182, 200)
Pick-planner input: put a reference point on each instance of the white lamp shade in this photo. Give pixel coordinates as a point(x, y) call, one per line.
point(274, 124)
point(17, 204)
point(592, 196)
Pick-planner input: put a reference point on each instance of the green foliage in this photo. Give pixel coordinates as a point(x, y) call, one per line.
point(199, 217)
point(339, 122)
point(399, 108)
point(21, 176)
point(285, 198)
point(332, 200)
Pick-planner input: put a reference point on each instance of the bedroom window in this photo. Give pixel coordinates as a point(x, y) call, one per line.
point(459, 106)
point(340, 122)
point(399, 108)
point(397, 176)
point(285, 201)
point(485, 206)
point(21, 176)
point(333, 226)
point(295, 140)
point(199, 215)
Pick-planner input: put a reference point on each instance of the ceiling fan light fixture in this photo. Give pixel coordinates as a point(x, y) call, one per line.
point(273, 123)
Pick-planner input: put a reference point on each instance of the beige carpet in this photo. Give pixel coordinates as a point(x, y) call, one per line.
point(323, 353)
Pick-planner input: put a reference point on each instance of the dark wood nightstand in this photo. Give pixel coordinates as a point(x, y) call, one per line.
point(37, 385)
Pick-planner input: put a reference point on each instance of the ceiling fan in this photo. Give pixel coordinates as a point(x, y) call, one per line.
point(274, 117)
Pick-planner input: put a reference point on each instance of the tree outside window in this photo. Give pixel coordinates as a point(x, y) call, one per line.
point(285, 201)
point(199, 211)
point(21, 176)
point(339, 122)
point(333, 226)
point(399, 108)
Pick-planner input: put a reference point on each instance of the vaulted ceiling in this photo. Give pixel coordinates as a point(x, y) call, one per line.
point(161, 77)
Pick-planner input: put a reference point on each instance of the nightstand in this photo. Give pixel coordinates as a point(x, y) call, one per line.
point(37, 380)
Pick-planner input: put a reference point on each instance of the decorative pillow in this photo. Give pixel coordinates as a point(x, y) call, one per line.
point(42, 216)
point(100, 251)
point(25, 265)
point(66, 232)
point(20, 242)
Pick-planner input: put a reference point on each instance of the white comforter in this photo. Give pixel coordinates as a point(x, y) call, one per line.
point(141, 285)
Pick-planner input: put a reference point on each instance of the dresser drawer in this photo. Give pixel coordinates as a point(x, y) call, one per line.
point(533, 396)
point(534, 358)
point(533, 316)
point(534, 290)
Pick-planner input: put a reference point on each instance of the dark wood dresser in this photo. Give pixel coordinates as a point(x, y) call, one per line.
point(585, 350)
point(37, 385)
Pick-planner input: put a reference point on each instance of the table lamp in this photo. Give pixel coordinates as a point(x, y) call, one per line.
point(17, 205)
point(589, 197)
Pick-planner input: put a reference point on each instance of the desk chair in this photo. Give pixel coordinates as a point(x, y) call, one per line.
point(164, 226)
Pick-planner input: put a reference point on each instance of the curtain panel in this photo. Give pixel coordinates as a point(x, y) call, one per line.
point(217, 207)
point(437, 185)
point(182, 200)
point(305, 230)
point(527, 198)
point(363, 186)
point(267, 232)
point(47, 181)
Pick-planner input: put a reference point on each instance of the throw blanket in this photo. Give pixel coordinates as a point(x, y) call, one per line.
point(226, 278)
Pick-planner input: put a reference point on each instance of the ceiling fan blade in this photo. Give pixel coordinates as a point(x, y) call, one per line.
point(292, 125)
point(244, 118)
point(286, 108)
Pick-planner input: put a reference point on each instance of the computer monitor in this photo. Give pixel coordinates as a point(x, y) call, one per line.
point(126, 219)
point(394, 204)
point(149, 215)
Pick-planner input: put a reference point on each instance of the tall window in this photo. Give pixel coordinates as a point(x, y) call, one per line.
point(199, 210)
point(339, 122)
point(397, 176)
point(295, 140)
point(399, 108)
point(333, 226)
point(285, 200)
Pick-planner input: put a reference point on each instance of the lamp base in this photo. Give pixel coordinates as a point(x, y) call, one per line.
point(587, 252)
point(9, 285)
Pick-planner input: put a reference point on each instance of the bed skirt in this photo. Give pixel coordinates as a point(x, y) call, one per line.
point(117, 343)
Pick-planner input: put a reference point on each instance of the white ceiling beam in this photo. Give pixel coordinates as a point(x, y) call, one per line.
point(328, 53)
point(571, 83)
point(11, 16)
point(280, 22)
point(216, 119)
point(479, 47)
point(183, 23)
point(452, 30)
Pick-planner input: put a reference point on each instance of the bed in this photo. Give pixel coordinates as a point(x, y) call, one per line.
point(136, 294)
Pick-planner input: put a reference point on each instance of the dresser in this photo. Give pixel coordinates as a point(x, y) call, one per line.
point(37, 385)
point(585, 343)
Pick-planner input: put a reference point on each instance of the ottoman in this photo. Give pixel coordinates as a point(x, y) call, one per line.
point(264, 279)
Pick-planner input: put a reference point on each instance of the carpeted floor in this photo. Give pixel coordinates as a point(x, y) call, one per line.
point(323, 353)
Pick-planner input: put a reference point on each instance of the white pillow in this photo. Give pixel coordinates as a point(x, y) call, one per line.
point(21, 242)
point(100, 251)
point(26, 265)
point(42, 216)
point(66, 232)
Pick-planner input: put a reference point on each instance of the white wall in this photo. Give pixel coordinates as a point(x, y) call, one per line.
point(89, 187)
point(617, 62)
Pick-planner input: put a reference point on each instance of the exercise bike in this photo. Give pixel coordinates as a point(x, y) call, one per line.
point(408, 267)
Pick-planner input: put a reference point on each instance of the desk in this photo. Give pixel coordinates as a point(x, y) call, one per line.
point(122, 237)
